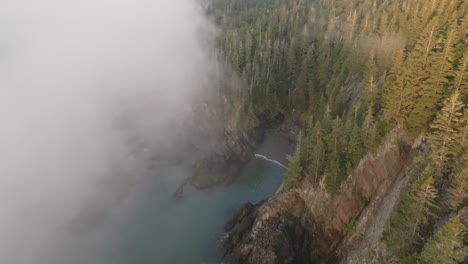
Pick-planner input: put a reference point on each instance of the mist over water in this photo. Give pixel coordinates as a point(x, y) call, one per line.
point(90, 90)
point(156, 228)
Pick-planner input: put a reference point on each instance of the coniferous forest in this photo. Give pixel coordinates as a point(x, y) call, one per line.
point(349, 72)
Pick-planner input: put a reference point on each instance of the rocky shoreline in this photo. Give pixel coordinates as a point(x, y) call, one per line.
point(222, 166)
point(234, 149)
point(307, 225)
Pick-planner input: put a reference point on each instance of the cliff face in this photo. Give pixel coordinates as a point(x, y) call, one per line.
point(306, 225)
point(235, 149)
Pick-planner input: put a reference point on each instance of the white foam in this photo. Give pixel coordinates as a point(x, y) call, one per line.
point(270, 160)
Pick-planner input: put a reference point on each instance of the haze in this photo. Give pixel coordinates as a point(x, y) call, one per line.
point(89, 90)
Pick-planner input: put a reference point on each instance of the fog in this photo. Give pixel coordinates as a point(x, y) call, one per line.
point(89, 91)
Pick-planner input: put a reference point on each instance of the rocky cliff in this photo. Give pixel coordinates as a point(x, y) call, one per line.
point(233, 149)
point(306, 224)
point(222, 165)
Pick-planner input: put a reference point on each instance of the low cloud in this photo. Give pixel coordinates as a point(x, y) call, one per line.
point(89, 90)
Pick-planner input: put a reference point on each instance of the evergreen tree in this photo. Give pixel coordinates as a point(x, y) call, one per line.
point(355, 149)
point(368, 127)
point(458, 192)
point(301, 91)
point(291, 63)
point(423, 204)
point(334, 171)
point(333, 175)
point(335, 138)
point(419, 68)
point(447, 245)
point(445, 130)
point(314, 148)
point(461, 77)
point(293, 174)
point(431, 92)
point(461, 147)
point(416, 208)
point(395, 99)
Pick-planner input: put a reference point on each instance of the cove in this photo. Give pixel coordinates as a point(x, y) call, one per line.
point(151, 226)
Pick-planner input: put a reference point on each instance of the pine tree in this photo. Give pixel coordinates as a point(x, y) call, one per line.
point(446, 246)
point(415, 210)
point(418, 70)
point(308, 147)
point(431, 92)
point(355, 148)
point(301, 91)
point(420, 62)
point(423, 204)
point(315, 149)
point(370, 91)
point(461, 77)
point(333, 176)
point(394, 99)
point(293, 174)
point(445, 130)
point(334, 172)
point(323, 57)
point(368, 127)
point(292, 61)
point(458, 192)
point(461, 148)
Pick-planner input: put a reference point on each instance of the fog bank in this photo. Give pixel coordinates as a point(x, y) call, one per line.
point(89, 90)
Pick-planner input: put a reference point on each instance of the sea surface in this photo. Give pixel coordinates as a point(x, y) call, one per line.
point(152, 227)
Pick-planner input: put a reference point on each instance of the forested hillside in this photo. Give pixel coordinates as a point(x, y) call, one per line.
point(350, 71)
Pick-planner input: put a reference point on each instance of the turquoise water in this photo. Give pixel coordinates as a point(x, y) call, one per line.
point(152, 227)
point(189, 230)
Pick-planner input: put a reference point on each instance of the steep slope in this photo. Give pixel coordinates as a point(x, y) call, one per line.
point(306, 224)
point(351, 73)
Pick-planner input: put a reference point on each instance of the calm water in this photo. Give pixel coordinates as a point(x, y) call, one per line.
point(153, 227)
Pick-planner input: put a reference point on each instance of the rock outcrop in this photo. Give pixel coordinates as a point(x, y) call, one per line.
point(305, 225)
point(231, 147)
point(235, 149)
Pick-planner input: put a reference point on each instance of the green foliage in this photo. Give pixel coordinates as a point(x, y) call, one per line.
point(416, 209)
point(313, 154)
point(447, 245)
point(293, 175)
point(333, 176)
point(461, 75)
point(396, 99)
point(344, 65)
point(295, 57)
point(355, 149)
point(458, 191)
point(350, 227)
point(445, 131)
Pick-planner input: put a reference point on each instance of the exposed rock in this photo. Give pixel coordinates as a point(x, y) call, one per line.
point(362, 244)
point(233, 149)
point(222, 166)
point(244, 211)
point(306, 224)
point(276, 247)
point(288, 130)
point(179, 193)
point(279, 238)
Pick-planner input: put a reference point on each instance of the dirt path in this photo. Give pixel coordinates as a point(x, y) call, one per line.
point(362, 243)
